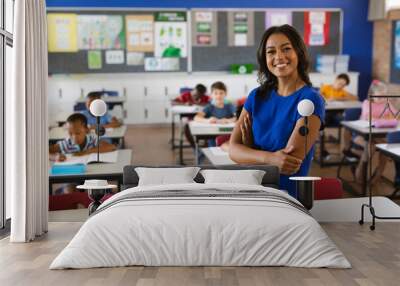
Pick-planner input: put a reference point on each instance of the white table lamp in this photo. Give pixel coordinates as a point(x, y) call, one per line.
point(305, 185)
point(98, 108)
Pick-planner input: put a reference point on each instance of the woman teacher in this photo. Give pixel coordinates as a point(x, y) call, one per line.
point(268, 127)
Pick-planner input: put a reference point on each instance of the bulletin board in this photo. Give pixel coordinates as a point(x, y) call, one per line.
point(221, 56)
point(211, 45)
point(107, 58)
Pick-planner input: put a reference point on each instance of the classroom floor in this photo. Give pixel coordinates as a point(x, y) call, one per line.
point(375, 259)
point(150, 145)
point(374, 255)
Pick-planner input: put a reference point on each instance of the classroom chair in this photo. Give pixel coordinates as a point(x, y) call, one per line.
point(71, 201)
point(110, 93)
point(350, 114)
point(80, 106)
point(327, 189)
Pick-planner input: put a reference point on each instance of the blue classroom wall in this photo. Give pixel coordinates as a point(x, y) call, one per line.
point(357, 30)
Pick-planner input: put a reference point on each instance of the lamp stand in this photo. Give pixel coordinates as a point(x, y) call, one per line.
point(95, 195)
point(98, 138)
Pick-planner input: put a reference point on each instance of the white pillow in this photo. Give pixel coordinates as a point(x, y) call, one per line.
point(248, 177)
point(166, 176)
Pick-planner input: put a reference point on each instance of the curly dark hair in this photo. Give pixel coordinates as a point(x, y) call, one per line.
point(266, 79)
point(77, 117)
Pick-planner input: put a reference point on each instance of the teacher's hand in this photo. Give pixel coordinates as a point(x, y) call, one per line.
point(286, 163)
point(246, 130)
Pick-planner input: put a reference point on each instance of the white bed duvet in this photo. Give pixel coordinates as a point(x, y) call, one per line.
point(201, 224)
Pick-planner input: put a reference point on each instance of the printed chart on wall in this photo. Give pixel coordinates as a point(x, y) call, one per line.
point(278, 18)
point(204, 29)
point(240, 29)
point(316, 28)
point(170, 35)
point(62, 29)
point(100, 32)
point(139, 32)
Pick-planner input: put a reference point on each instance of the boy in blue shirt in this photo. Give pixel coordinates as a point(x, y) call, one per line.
point(217, 111)
point(107, 121)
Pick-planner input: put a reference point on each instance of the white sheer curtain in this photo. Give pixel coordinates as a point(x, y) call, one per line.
point(26, 124)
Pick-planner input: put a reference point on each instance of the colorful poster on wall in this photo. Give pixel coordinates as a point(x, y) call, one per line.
point(62, 30)
point(204, 29)
point(316, 28)
point(277, 18)
point(170, 34)
point(240, 29)
point(94, 60)
point(140, 33)
point(397, 46)
point(100, 32)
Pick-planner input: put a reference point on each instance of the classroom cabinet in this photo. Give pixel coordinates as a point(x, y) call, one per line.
point(148, 95)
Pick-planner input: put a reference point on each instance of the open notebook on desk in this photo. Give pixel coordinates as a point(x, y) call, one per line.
point(109, 157)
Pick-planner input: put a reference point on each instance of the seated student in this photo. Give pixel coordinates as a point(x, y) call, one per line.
point(217, 111)
point(107, 121)
point(336, 90)
point(380, 111)
point(195, 96)
point(80, 141)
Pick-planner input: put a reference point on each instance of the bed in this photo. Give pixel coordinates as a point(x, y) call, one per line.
point(198, 224)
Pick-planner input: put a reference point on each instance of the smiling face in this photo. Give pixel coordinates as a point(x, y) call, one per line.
point(281, 57)
point(218, 95)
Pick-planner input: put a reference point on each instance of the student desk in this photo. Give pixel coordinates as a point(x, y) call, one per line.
point(60, 133)
point(207, 131)
point(393, 151)
point(217, 156)
point(337, 105)
point(360, 127)
point(334, 106)
point(182, 111)
point(106, 171)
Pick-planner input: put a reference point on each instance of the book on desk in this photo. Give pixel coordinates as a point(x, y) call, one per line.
point(77, 164)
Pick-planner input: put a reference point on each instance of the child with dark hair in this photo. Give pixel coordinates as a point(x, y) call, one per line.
point(107, 121)
point(218, 111)
point(336, 90)
point(194, 96)
point(79, 142)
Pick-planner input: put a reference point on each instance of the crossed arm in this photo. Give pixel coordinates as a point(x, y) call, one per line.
point(288, 160)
